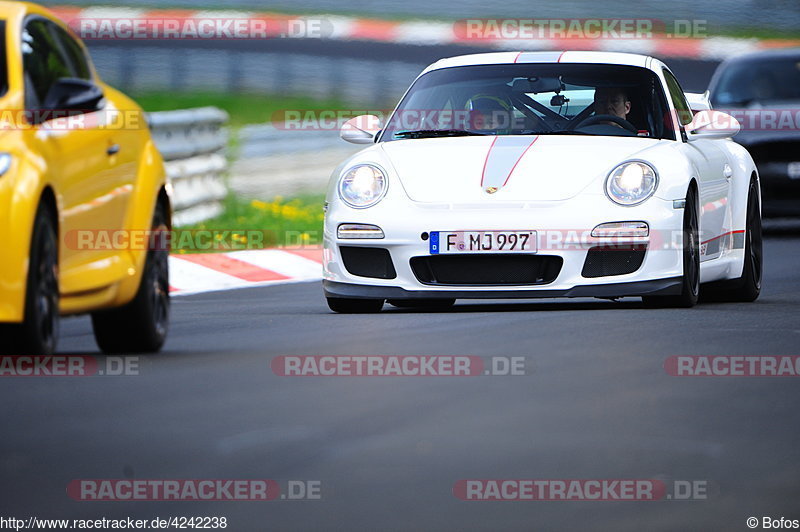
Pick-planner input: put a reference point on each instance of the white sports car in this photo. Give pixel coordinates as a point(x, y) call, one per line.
point(542, 174)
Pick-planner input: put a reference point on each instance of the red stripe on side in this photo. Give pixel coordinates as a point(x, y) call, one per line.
point(517, 58)
point(560, 56)
point(518, 160)
point(486, 161)
point(723, 235)
point(234, 267)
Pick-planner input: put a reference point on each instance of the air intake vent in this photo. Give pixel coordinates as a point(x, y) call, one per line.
point(486, 270)
point(607, 261)
point(368, 262)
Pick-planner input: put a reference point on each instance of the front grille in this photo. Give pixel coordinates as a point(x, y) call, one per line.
point(613, 260)
point(368, 262)
point(486, 270)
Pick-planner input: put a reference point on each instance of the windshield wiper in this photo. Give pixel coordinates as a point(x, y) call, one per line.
point(427, 133)
point(560, 132)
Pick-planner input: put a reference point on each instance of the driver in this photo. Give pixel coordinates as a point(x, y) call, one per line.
point(489, 112)
point(612, 101)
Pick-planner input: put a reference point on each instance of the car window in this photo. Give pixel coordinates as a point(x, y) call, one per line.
point(678, 99)
point(765, 80)
point(527, 99)
point(43, 62)
point(79, 63)
point(3, 65)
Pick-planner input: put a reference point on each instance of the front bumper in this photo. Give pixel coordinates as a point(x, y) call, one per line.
point(570, 221)
point(656, 287)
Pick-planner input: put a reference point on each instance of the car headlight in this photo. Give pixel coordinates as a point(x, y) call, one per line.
point(363, 186)
point(5, 163)
point(631, 183)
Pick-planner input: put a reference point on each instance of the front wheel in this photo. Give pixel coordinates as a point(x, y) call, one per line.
point(746, 288)
point(141, 325)
point(690, 287)
point(38, 333)
point(355, 306)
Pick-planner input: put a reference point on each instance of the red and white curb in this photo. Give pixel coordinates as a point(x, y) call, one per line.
point(424, 32)
point(193, 274)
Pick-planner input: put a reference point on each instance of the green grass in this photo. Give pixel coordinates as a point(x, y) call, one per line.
point(754, 33)
point(243, 108)
point(293, 221)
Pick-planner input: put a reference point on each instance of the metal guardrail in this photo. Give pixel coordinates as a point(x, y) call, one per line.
point(274, 161)
point(267, 140)
point(193, 144)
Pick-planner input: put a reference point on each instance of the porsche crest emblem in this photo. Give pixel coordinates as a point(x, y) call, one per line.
point(491, 190)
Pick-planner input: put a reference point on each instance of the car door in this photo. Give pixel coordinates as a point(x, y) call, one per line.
point(79, 161)
point(712, 171)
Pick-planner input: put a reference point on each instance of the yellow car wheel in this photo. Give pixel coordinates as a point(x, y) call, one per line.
point(38, 333)
point(141, 325)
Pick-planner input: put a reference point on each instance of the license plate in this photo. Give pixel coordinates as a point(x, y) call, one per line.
point(444, 242)
point(794, 170)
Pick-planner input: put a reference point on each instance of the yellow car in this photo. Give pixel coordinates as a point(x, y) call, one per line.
point(76, 160)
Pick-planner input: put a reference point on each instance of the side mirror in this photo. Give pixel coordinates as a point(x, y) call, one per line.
point(74, 96)
point(712, 125)
point(361, 129)
point(698, 101)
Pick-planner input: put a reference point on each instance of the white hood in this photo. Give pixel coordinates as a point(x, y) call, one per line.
point(520, 168)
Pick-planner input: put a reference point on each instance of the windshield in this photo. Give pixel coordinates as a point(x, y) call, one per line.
point(528, 99)
point(3, 65)
point(767, 80)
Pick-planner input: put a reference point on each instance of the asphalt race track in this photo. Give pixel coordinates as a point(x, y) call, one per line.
point(598, 404)
point(387, 451)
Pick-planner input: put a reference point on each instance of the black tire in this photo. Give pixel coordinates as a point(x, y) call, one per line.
point(426, 304)
point(355, 306)
point(141, 326)
point(38, 333)
point(746, 288)
point(690, 288)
